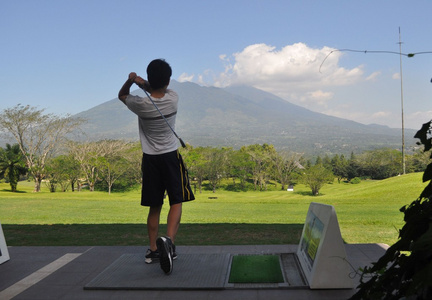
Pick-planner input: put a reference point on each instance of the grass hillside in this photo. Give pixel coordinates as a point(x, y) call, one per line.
point(367, 212)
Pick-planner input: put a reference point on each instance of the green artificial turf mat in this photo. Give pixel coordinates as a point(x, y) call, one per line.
point(255, 269)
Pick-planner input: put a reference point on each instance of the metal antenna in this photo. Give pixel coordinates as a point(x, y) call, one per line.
point(402, 105)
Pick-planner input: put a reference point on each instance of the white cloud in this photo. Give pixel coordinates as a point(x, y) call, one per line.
point(373, 76)
point(416, 119)
point(396, 76)
point(295, 72)
point(223, 57)
point(365, 117)
point(185, 77)
point(310, 77)
point(320, 95)
point(388, 118)
point(315, 98)
point(345, 114)
point(381, 114)
point(295, 63)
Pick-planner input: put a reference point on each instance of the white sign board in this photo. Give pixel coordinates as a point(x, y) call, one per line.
point(321, 251)
point(4, 253)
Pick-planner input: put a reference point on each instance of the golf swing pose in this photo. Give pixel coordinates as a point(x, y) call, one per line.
point(162, 165)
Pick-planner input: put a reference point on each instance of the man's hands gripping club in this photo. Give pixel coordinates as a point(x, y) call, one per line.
point(133, 78)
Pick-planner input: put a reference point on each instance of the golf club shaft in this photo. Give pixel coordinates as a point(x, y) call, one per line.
point(181, 141)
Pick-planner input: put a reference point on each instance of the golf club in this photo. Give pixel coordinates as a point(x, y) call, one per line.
point(181, 141)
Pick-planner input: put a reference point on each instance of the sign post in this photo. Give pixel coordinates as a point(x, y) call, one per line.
point(4, 253)
point(321, 251)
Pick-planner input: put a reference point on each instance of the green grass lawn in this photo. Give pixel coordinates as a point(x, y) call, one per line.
point(367, 212)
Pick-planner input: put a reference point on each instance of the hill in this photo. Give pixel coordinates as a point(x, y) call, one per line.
point(237, 116)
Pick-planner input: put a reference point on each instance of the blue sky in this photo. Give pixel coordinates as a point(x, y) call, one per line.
point(69, 56)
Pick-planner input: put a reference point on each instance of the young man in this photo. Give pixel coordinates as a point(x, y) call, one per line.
point(162, 165)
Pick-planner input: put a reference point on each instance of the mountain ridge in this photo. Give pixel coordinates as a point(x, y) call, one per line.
point(241, 115)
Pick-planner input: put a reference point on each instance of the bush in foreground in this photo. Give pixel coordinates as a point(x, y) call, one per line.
point(405, 270)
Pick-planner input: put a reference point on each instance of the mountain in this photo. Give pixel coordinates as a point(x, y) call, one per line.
point(237, 116)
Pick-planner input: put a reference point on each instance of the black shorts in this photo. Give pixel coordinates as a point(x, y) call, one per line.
point(164, 172)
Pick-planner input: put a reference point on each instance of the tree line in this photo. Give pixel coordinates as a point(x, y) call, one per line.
point(45, 152)
point(108, 164)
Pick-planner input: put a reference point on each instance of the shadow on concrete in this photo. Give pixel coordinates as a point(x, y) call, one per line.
point(136, 234)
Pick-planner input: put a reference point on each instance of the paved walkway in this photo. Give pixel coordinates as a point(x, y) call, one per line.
point(62, 272)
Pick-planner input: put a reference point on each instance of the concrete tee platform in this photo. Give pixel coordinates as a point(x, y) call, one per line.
point(63, 272)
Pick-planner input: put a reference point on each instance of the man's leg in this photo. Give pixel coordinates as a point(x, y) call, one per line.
point(174, 217)
point(165, 244)
point(153, 225)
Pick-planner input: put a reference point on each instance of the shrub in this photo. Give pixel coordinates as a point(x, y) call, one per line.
point(355, 180)
point(405, 270)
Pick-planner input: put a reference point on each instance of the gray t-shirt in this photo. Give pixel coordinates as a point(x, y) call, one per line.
point(155, 135)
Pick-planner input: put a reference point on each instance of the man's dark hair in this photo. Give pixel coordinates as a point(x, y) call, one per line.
point(158, 73)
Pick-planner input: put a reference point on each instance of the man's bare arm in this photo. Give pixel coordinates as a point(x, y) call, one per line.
point(125, 89)
point(133, 78)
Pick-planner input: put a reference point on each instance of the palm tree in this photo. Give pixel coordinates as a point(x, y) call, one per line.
point(12, 164)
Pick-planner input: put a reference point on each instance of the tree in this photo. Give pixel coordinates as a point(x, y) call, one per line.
point(380, 163)
point(134, 156)
point(353, 168)
point(240, 166)
point(114, 163)
point(98, 160)
point(87, 154)
point(196, 162)
point(316, 176)
point(71, 169)
point(216, 166)
point(62, 170)
point(52, 175)
point(262, 163)
point(12, 165)
point(285, 166)
point(38, 135)
point(418, 161)
point(339, 167)
point(327, 162)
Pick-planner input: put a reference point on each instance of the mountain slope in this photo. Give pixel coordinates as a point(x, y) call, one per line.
point(237, 116)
